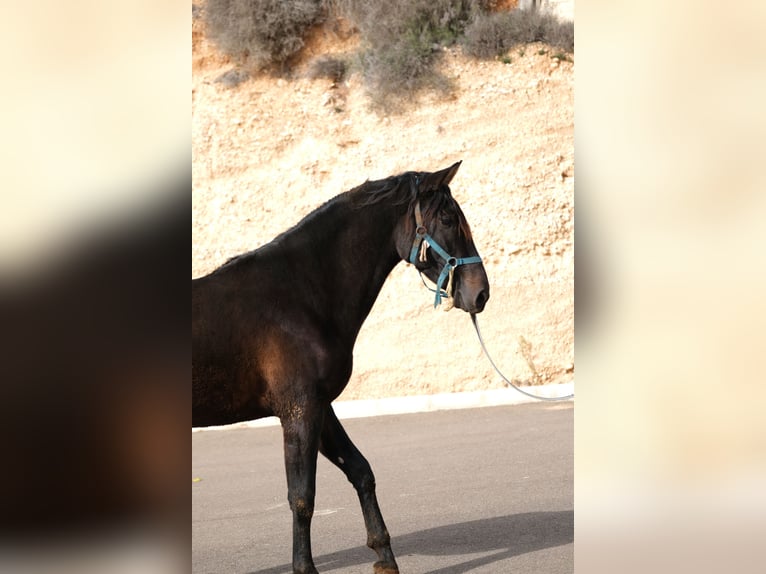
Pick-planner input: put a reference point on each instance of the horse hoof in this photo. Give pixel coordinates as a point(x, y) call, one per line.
point(383, 568)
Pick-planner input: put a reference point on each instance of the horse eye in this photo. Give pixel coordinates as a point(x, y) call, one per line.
point(447, 219)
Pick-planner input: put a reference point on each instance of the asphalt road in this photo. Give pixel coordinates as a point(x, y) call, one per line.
point(486, 490)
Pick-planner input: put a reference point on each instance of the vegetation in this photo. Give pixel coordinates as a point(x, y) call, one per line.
point(491, 35)
point(400, 39)
point(261, 33)
point(331, 67)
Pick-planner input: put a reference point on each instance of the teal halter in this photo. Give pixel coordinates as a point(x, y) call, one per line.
point(450, 263)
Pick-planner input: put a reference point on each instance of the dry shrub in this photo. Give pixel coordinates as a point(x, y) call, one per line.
point(401, 40)
point(261, 33)
point(326, 66)
point(491, 35)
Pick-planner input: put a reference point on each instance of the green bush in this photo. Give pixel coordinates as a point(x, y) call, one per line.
point(491, 35)
point(261, 33)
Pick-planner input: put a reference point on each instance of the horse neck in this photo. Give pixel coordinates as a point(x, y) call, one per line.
point(353, 251)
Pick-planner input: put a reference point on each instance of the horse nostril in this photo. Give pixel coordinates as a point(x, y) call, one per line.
point(481, 299)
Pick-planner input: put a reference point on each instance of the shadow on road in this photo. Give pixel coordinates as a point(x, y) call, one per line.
point(509, 536)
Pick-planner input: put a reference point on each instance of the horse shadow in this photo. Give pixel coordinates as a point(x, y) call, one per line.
point(505, 536)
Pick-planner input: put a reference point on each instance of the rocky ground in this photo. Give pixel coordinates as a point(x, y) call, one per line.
point(267, 151)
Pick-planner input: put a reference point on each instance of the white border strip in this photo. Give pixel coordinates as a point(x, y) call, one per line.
point(421, 404)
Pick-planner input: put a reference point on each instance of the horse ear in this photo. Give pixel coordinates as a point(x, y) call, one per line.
point(436, 179)
point(449, 173)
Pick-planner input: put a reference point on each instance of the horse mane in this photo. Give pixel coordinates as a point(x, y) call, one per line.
point(396, 190)
point(402, 189)
point(393, 190)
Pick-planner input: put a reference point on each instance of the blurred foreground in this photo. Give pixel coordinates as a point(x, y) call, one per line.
point(94, 246)
point(94, 405)
point(670, 445)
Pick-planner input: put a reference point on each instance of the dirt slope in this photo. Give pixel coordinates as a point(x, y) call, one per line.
point(267, 152)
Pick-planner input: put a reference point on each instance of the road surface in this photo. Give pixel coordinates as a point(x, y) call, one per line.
point(484, 491)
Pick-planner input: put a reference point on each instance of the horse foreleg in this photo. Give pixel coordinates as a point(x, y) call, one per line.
point(301, 439)
point(339, 449)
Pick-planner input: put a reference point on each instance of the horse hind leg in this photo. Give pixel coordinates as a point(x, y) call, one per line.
point(301, 430)
point(338, 448)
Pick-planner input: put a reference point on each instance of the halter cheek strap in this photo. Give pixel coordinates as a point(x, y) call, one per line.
point(421, 243)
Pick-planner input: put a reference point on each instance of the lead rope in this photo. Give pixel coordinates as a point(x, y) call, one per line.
point(450, 301)
point(491, 362)
point(423, 248)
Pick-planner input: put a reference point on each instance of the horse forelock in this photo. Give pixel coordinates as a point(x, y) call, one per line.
point(440, 200)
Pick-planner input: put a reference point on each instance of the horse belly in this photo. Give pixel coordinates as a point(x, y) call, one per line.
point(226, 383)
point(220, 397)
point(226, 386)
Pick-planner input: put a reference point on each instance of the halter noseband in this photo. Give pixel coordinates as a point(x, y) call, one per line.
point(421, 242)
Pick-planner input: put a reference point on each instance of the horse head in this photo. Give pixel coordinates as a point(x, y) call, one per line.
point(435, 237)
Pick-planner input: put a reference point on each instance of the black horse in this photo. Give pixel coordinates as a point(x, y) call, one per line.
point(274, 329)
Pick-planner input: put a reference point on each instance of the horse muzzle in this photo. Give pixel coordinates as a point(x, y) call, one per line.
point(472, 290)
